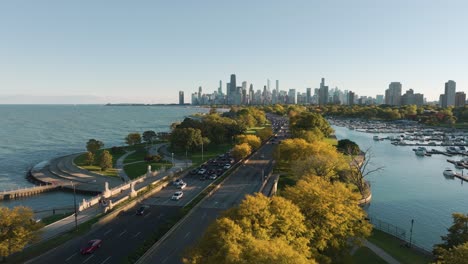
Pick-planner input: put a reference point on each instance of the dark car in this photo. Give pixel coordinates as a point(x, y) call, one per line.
point(202, 177)
point(142, 210)
point(91, 246)
point(194, 171)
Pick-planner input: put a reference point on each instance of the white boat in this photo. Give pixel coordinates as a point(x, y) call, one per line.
point(449, 173)
point(376, 138)
point(421, 151)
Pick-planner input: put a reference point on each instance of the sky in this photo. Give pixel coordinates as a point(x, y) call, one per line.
point(115, 51)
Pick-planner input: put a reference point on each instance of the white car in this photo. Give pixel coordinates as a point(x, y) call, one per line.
point(178, 182)
point(202, 171)
point(227, 166)
point(177, 195)
point(213, 176)
point(182, 185)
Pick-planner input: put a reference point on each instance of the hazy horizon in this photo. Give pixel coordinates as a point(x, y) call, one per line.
point(98, 50)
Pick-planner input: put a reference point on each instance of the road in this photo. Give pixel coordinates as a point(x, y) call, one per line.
point(127, 231)
point(246, 180)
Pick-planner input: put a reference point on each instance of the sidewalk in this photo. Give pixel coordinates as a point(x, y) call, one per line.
point(381, 253)
point(68, 223)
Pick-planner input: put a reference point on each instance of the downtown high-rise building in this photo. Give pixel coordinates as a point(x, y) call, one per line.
point(450, 88)
point(232, 90)
point(308, 95)
point(181, 97)
point(410, 98)
point(393, 94)
point(323, 93)
point(292, 96)
point(460, 99)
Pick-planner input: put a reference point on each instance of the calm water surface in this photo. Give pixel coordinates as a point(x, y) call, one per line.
point(30, 134)
point(411, 187)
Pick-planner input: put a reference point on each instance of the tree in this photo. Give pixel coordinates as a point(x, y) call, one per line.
point(359, 170)
point(308, 121)
point(265, 133)
point(252, 140)
point(261, 230)
point(105, 161)
point(17, 229)
point(186, 138)
point(133, 138)
point(89, 158)
point(241, 151)
point(457, 234)
point(455, 255)
point(148, 136)
point(348, 147)
point(94, 145)
point(332, 215)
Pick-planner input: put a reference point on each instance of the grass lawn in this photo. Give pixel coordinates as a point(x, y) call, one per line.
point(109, 172)
point(138, 155)
point(136, 170)
point(365, 256)
point(394, 247)
point(81, 159)
point(331, 141)
point(54, 218)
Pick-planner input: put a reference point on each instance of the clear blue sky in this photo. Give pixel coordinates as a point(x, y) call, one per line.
point(147, 51)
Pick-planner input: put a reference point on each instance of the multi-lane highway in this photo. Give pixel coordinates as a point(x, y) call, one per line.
point(246, 180)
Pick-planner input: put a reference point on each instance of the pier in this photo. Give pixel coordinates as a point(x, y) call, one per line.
point(25, 192)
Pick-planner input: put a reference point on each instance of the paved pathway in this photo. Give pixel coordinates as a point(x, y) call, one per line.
point(119, 166)
point(381, 253)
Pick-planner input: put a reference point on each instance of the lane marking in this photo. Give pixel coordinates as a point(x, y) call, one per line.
point(148, 214)
point(164, 261)
point(123, 232)
point(108, 231)
point(137, 234)
point(87, 259)
point(106, 260)
point(70, 257)
point(186, 235)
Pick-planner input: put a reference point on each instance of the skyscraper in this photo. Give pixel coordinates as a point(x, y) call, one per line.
point(199, 94)
point(181, 97)
point(393, 94)
point(220, 88)
point(323, 93)
point(292, 96)
point(460, 99)
point(350, 98)
point(232, 90)
point(450, 87)
point(309, 96)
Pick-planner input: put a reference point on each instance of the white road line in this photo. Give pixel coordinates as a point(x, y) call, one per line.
point(108, 231)
point(106, 260)
point(70, 257)
point(87, 259)
point(164, 261)
point(123, 232)
point(186, 235)
point(137, 234)
point(148, 214)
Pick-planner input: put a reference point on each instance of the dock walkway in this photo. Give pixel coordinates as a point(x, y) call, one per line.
point(24, 192)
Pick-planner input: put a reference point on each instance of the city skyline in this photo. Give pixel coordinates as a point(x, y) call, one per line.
point(99, 52)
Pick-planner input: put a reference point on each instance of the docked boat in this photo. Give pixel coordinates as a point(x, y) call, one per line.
point(421, 151)
point(449, 173)
point(376, 138)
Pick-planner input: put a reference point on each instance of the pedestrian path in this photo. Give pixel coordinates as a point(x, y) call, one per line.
point(119, 166)
point(381, 253)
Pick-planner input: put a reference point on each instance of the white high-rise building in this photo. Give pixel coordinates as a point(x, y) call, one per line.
point(450, 88)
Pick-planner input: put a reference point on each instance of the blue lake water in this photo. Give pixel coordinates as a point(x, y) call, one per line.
point(411, 187)
point(30, 134)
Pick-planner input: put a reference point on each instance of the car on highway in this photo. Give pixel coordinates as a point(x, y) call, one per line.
point(213, 176)
point(227, 166)
point(202, 171)
point(178, 182)
point(182, 185)
point(177, 195)
point(194, 171)
point(262, 156)
point(91, 246)
point(142, 210)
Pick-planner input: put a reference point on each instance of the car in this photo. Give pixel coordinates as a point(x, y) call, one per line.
point(262, 156)
point(177, 195)
point(142, 210)
point(219, 172)
point(194, 171)
point(227, 166)
point(213, 176)
point(182, 185)
point(178, 182)
point(91, 246)
point(202, 171)
point(202, 177)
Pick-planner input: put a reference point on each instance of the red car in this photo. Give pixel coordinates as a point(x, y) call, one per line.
point(91, 246)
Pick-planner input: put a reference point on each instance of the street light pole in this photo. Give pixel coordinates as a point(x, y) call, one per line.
point(202, 151)
point(74, 202)
point(172, 158)
point(411, 232)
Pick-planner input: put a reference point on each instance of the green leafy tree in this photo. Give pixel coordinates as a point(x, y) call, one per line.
point(105, 161)
point(457, 234)
point(241, 151)
point(265, 133)
point(308, 121)
point(133, 139)
point(89, 158)
point(94, 145)
point(455, 255)
point(148, 136)
point(186, 138)
point(17, 229)
point(349, 147)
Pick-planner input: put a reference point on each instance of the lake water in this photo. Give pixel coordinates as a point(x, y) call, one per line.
point(30, 134)
point(411, 187)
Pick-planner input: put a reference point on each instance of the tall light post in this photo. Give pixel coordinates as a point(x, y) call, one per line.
point(74, 202)
point(172, 158)
point(411, 232)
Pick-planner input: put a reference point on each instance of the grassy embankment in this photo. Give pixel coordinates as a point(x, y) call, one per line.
point(136, 166)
